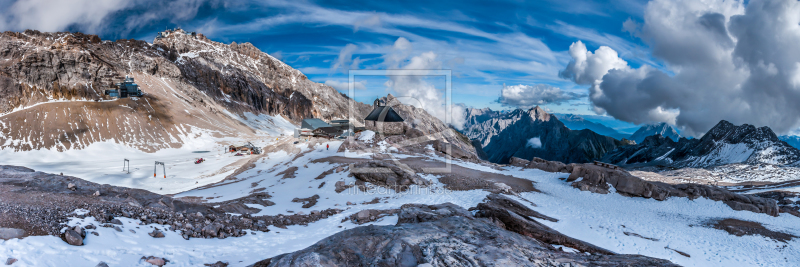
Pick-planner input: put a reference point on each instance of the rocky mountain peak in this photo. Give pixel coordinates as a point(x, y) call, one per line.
point(537, 113)
point(661, 128)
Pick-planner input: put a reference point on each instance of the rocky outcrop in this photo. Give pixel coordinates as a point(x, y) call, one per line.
point(387, 175)
point(206, 77)
point(448, 235)
point(600, 177)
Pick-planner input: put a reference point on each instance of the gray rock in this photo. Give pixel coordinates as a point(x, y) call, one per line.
point(157, 261)
point(73, 238)
point(101, 264)
point(341, 186)
point(212, 230)
point(444, 235)
point(10, 261)
point(156, 234)
point(9, 233)
point(396, 178)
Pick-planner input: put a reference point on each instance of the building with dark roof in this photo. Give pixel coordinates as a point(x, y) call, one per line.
point(383, 119)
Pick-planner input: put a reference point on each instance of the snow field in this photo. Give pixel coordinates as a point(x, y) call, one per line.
point(601, 219)
point(678, 223)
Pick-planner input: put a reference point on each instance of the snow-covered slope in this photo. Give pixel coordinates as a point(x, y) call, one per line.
point(662, 129)
point(723, 144)
point(612, 221)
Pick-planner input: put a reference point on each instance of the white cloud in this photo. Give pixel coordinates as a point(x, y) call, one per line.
point(534, 143)
point(416, 90)
point(724, 60)
point(587, 67)
point(345, 60)
point(50, 16)
point(345, 86)
point(527, 96)
point(370, 21)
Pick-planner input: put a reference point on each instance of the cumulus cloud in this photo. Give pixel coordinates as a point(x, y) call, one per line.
point(724, 60)
point(534, 142)
point(345, 86)
point(527, 96)
point(587, 67)
point(415, 90)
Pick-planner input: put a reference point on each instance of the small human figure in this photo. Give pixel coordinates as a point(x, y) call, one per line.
point(327, 146)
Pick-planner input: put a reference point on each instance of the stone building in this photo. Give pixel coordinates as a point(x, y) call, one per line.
point(383, 119)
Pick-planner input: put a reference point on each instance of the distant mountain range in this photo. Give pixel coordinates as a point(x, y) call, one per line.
point(534, 133)
point(662, 129)
point(578, 122)
point(724, 144)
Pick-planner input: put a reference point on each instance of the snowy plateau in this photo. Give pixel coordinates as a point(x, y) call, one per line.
point(426, 197)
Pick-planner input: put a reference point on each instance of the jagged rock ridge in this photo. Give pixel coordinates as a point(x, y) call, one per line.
point(512, 134)
point(724, 144)
point(654, 129)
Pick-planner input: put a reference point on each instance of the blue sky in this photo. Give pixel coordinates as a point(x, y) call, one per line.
point(485, 44)
point(690, 63)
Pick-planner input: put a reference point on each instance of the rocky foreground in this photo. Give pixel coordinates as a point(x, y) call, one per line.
point(36, 203)
point(501, 233)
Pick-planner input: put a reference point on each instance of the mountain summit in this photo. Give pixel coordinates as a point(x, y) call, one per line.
point(662, 129)
point(534, 133)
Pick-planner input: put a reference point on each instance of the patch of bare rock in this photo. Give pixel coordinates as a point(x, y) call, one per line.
point(501, 232)
point(388, 175)
point(599, 177)
point(740, 228)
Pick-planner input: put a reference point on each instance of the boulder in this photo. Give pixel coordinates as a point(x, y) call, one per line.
point(549, 166)
point(101, 264)
point(73, 238)
point(515, 161)
point(156, 234)
point(212, 230)
point(341, 186)
point(9, 233)
point(157, 261)
point(387, 174)
point(10, 261)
